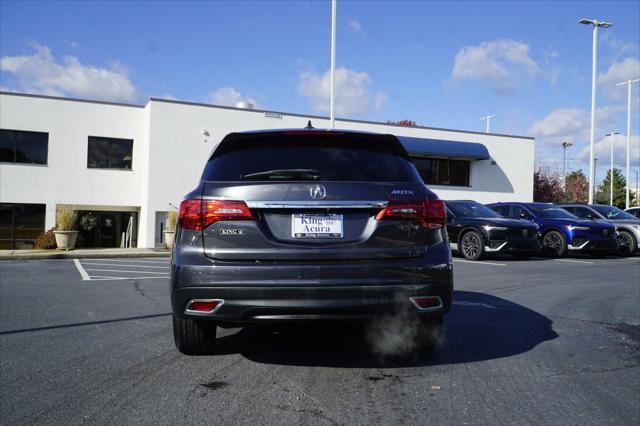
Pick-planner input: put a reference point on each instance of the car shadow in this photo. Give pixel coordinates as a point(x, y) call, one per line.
point(479, 327)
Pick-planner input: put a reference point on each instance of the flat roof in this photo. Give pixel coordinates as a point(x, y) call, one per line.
point(347, 120)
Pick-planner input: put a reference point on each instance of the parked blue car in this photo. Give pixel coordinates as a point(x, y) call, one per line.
point(563, 232)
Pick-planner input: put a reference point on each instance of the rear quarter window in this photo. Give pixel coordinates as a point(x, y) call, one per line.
point(346, 157)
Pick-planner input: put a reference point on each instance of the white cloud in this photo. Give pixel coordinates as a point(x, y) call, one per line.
point(627, 69)
point(496, 63)
point(619, 47)
point(41, 73)
point(571, 125)
point(602, 151)
point(354, 26)
point(353, 91)
point(228, 96)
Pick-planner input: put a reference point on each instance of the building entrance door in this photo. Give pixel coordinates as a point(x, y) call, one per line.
point(105, 229)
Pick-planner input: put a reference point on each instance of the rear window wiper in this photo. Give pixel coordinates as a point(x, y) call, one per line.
point(305, 174)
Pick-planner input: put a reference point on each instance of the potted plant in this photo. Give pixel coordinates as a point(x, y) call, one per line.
point(170, 229)
point(65, 233)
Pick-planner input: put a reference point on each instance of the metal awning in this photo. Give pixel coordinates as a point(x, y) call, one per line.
point(442, 148)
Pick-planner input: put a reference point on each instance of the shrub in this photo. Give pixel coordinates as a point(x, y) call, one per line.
point(65, 218)
point(46, 240)
point(172, 218)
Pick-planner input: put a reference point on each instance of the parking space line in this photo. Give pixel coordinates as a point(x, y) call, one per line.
point(83, 272)
point(480, 263)
point(573, 261)
point(126, 264)
point(103, 278)
point(120, 270)
point(130, 260)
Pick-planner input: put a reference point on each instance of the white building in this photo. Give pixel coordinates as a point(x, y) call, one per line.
point(119, 161)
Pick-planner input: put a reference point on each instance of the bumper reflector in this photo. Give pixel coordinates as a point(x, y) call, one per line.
point(203, 306)
point(427, 303)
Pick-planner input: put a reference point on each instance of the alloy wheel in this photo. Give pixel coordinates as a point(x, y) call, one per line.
point(470, 245)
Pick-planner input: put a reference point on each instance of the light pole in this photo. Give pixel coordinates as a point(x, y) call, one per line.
point(628, 83)
point(332, 108)
point(611, 135)
point(565, 145)
point(596, 24)
point(595, 170)
point(488, 120)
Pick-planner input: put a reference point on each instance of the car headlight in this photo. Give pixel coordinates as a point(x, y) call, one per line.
point(577, 228)
point(494, 228)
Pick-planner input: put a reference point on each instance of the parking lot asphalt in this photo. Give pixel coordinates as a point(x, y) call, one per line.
point(527, 342)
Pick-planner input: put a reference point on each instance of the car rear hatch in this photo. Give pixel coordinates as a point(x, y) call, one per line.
point(315, 195)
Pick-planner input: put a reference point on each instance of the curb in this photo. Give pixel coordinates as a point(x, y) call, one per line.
point(81, 255)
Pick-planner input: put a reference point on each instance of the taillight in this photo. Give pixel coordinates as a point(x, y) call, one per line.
point(429, 213)
point(199, 214)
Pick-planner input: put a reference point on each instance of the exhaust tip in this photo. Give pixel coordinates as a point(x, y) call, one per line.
point(427, 303)
point(203, 306)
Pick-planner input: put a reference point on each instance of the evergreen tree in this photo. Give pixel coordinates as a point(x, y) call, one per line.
point(619, 187)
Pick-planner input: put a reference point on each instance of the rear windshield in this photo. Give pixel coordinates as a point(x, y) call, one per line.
point(341, 157)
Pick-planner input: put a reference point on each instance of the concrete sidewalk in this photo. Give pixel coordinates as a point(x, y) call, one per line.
point(83, 253)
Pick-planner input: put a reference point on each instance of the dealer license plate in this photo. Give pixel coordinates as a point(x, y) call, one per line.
point(316, 225)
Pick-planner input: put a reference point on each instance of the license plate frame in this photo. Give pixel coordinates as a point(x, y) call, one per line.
point(318, 226)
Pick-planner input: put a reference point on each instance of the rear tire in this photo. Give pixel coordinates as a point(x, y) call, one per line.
point(194, 337)
point(630, 242)
point(555, 244)
point(430, 330)
point(472, 245)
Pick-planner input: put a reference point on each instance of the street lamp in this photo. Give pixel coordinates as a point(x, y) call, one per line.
point(611, 135)
point(596, 24)
point(565, 145)
point(488, 120)
point(332, 107)
point(628, 83)
point(595, 170)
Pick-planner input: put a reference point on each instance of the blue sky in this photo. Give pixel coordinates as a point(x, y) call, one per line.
point(441, 64)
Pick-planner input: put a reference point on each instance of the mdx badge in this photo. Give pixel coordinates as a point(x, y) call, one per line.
point(318, 192)
point(402, 192)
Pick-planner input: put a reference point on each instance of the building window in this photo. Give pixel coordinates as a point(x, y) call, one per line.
point(109, 153)
point(17, 146)
point(440, 171)
point(20, 225)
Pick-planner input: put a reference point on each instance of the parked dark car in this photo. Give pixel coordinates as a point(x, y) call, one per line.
point(475, 230)
point(295, 226)
point(634, 211)
point(563, 232)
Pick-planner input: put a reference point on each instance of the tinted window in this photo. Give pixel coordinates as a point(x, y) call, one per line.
point(520, 212)
point(18, 146)
point(470, 209)
point(109, 153)
point(551, 212)
point(342, 158)
point(20, 224)
point(501, 210)
point(611, 212)
point(438, 171)
point(582, 212)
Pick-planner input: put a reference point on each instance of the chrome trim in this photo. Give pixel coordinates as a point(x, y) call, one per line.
point(490, 250)
point(571, 247)
point(213, 311)
point(316, 204)
point(433, 308)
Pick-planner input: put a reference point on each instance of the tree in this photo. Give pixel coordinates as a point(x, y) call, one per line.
point(406, 123)
point(576, 188)
point(547, 187)
point(602, 195)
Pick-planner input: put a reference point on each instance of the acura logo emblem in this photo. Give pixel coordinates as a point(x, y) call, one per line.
point(525, 232)
point(318, 192)
point(605, 232)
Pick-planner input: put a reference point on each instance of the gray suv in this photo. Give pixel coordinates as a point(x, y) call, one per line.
point(292, 226)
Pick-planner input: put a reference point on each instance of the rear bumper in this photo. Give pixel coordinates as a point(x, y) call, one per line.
point(259, 292)
point(260, 305)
